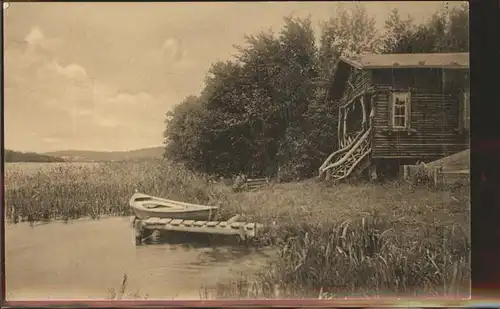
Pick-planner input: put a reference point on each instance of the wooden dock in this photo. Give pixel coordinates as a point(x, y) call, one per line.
point(244, 230)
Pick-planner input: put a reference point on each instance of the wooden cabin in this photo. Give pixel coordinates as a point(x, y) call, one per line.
point(397, 109)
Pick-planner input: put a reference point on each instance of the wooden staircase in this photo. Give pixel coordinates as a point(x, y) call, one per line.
point(353, 157)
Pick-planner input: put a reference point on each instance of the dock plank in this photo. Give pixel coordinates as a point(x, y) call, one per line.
point(152, 220)
point(199, 223)
point(212, 223)
point(176, 222)
point(237, 225)
point(188, 222)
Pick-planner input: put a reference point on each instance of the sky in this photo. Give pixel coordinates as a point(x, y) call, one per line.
point(101, 76)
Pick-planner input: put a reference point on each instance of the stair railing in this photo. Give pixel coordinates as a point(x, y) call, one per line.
point(353, 166)
point(349, 153)
point(338, 152)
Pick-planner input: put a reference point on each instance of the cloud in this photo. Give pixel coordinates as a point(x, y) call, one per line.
point(70, 109)
point(73, 71)
point(36, 39)
point(35, 36)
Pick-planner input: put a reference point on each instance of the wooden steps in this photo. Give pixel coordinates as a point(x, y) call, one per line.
point(244, 230)
point(353, 159)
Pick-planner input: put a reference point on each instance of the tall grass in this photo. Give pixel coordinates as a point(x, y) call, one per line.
point(72, 191)
point(363, 239)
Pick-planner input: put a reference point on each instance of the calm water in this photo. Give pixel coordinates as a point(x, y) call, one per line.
point(85, 258)
point(27, 168)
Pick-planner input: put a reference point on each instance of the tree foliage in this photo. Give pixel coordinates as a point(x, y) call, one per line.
point(445, 31)
point(265, 109)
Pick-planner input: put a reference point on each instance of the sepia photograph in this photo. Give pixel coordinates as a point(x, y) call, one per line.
point(236, 150)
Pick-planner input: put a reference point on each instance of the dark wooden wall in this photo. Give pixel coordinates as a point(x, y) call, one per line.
point(360, 79)
point(434, 116)
point(429, 79)
point(424, 79)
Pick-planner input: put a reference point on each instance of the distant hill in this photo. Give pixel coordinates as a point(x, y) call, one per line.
point(16, 156)
point(92, 156)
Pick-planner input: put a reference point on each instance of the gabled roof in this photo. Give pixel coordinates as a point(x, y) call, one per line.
point(407, 61)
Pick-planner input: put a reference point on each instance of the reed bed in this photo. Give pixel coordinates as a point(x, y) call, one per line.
point(351, 239)
point(70, 191)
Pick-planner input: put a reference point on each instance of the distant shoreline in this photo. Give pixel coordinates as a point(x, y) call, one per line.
point(11, 156)
point(83, 156)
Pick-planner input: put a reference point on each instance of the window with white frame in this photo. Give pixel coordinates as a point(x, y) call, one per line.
point(466, 110)
point(400, 109)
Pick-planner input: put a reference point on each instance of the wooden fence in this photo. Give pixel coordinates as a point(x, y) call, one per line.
point(252, 184)
point(434, 175)
point(257, 183)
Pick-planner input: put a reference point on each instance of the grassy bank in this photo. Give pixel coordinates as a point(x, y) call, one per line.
point(367, 239)
point(359, 238)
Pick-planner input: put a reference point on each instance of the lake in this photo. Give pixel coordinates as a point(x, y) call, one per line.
point(29, 168)
point(85, 258)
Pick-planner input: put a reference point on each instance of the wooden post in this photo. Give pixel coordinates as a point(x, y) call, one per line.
point(156, 236)
point(364, 112)
point(373, 170)
point(372, 111)
point(390, 111)
point(401, 171)
point(346, 111)
point(339, 127)
point(437, 174)
point(138, 231)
